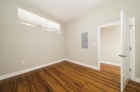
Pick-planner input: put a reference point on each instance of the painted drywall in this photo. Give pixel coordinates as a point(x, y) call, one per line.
point(110, 44)
point(20, 42)
point(88, 23)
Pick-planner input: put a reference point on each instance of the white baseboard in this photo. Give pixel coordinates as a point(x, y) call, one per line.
point(110, 63)
point(137, 80)
point(82, 64)
point(40, 66)
point(29, 69)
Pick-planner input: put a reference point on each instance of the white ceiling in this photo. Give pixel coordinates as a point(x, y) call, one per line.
point(63, 10)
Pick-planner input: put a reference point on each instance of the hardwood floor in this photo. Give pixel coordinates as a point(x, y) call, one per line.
point(68, 77)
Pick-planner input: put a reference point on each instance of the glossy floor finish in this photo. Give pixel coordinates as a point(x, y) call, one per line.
point(68, 77)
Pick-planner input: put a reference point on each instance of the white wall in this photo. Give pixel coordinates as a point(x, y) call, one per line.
point(106, 14)
point(36, 46)
point(110, 44)
point(20, 42)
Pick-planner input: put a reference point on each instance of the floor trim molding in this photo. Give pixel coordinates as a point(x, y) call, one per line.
point(54, 62)
point(28, 70)
point(83, 64)
point(110, 63)
point(137, 79)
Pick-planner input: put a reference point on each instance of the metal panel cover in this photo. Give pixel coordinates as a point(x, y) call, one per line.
point(85, 40)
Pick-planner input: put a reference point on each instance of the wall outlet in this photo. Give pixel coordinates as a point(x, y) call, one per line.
point(75, 55)
point(23, 62)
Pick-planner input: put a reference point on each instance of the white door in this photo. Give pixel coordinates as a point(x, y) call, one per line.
point(125, 51)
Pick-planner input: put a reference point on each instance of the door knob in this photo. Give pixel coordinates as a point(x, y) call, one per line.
point(124, 56)
point(120, 55)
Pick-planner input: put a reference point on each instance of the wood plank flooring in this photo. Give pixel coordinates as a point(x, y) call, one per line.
point(68, 77)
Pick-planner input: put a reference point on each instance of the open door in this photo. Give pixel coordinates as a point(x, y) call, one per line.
point(125, 51)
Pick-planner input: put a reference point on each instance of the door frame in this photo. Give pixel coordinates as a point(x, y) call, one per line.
point(132, 45)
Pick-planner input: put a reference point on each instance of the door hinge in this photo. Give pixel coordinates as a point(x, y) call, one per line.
point(130, 48)
point(130, 69)
point(131, 26)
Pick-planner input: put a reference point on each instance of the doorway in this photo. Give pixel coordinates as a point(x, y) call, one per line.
point(99, 39)
point(110, 45)
point(132, 45)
